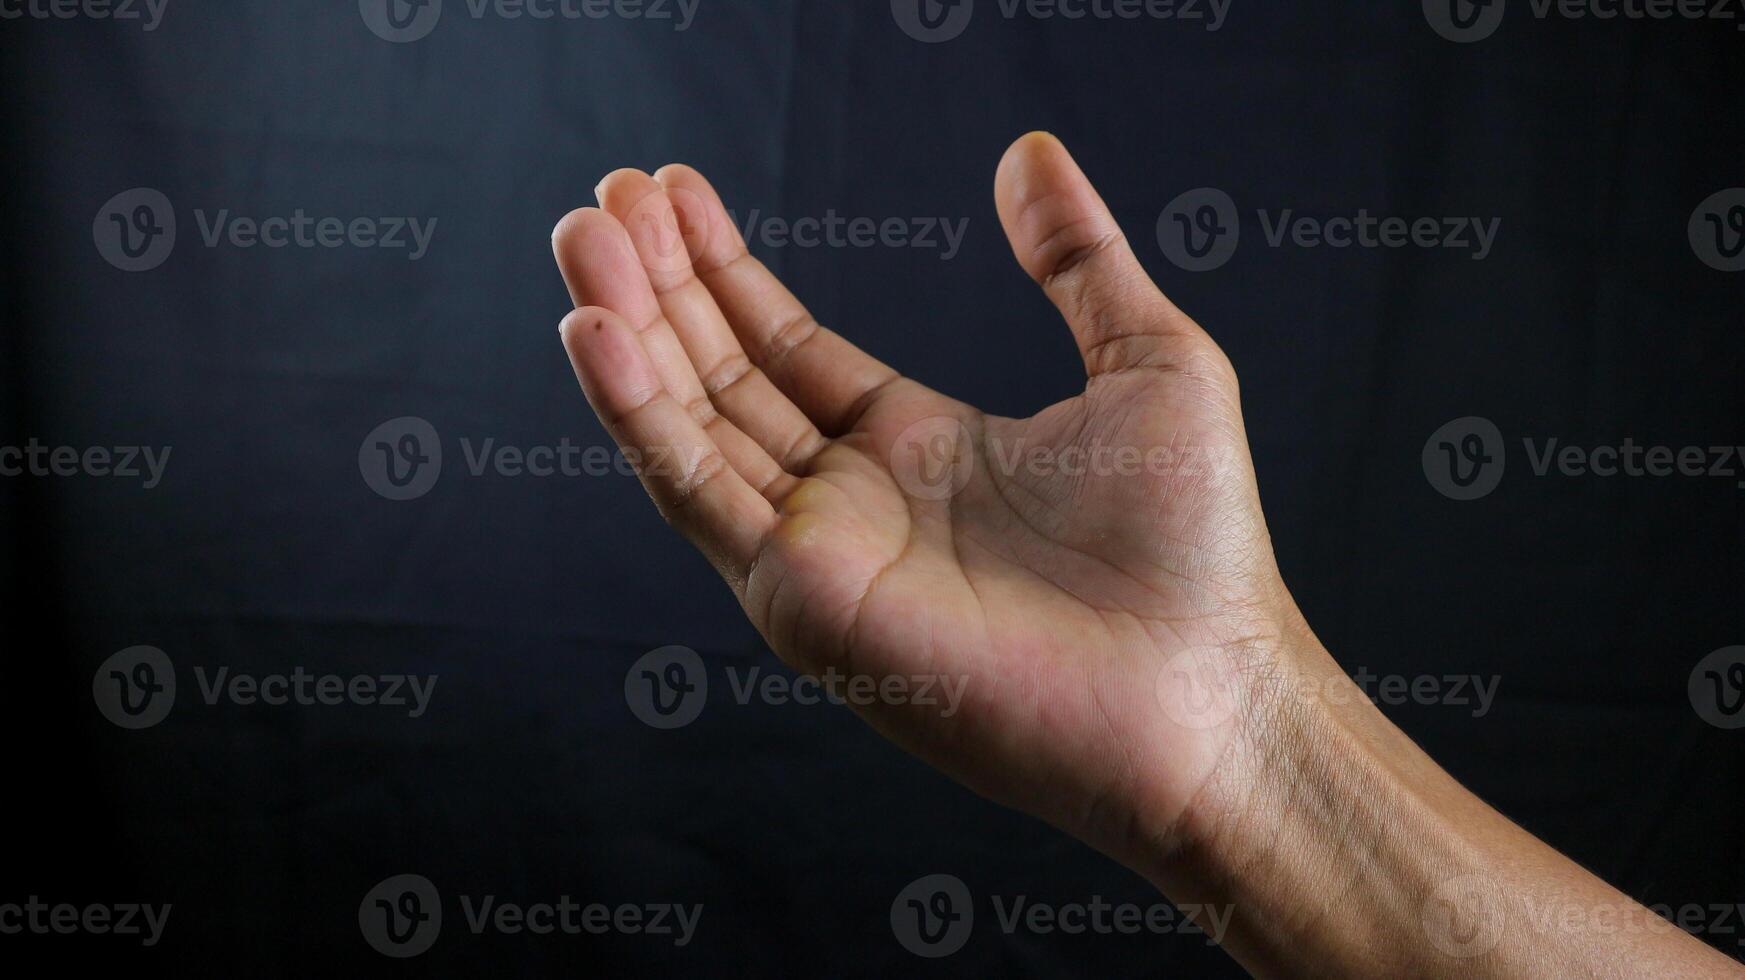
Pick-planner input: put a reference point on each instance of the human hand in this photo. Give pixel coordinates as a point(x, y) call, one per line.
point(1097, 576)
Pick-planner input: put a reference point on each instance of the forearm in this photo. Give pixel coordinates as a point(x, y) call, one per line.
point(1341, 849)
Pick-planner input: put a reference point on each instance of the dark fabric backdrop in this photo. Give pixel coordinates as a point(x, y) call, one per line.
point(528, 777)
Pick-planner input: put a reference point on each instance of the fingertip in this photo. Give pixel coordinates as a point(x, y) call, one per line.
point(1026, 149)
point(569, 225)
point(687, 186)
point(578, 237)
point(1052, 215)
point(600, 265)
point(1036, 141)
point(1036, 165)
point(621, 173)
point(624, 186)
point(1068, 241)
point(583, 230)
point(673, 173)
point(710, 234)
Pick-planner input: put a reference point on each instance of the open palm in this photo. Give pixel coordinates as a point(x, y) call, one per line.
point(1096, 579)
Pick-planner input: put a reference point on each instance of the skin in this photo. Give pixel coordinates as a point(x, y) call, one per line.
point(1134, 670)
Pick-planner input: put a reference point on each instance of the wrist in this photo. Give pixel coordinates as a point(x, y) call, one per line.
point(1286, 747)
point(1323, 840)
point(1319, 827)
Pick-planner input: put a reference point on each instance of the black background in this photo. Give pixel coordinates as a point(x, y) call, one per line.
point(528, 778)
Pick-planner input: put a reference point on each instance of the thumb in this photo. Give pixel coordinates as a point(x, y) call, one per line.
point(1065, 238)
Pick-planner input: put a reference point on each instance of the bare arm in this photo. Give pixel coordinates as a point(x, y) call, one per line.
point(1098, 576)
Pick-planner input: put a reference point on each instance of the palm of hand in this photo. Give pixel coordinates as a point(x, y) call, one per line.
point(1069, 572)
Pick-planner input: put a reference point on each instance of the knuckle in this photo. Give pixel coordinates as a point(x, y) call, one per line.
point(731, 371)
point(1070, 249)
point(787, 338)
point(689, 488)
